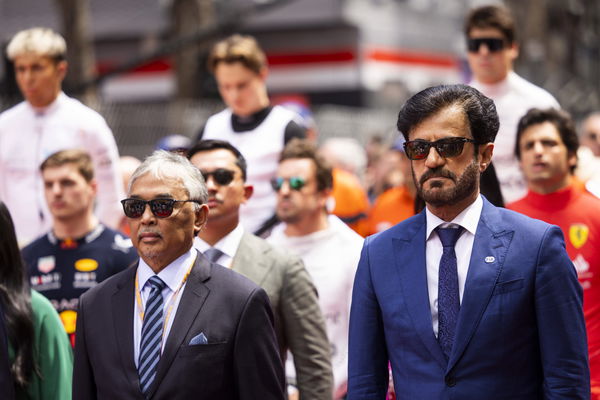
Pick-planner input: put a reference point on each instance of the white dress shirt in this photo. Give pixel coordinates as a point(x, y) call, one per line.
point(172, 275)
point(228, 245)
point(468, 219)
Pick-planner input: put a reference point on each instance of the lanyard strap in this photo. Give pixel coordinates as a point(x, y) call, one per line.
point(138, 296)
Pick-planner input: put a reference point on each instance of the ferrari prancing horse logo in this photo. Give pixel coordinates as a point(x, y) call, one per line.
point(578, 234)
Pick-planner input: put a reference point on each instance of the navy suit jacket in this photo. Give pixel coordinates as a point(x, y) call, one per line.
point(520, 332)
point(240, 361)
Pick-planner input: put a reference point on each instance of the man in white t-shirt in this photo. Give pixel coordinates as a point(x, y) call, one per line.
point(329, 248)
point(491, 52)
point(258, 129)
point(46, 122)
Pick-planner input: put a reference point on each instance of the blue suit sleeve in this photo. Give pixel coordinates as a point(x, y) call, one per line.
point(368, 357)
point(562, 334)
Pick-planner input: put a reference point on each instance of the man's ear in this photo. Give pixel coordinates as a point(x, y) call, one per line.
point(572, 159)
point(248, 192)
point(200, 218)
point(485, 155)
point(62, 68)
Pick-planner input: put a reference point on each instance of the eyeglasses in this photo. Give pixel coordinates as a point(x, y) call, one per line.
point(493, 44)
point(221, 176)
point(447, 147)
point(295, 182)
point(161, 208)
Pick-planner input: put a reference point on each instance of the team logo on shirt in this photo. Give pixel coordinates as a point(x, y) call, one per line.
point(86, 265)
point(578, 234)
point(46, 264)
point(69, 319)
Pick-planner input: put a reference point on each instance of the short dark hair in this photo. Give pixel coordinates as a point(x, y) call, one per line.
point(561, 120)
point(493, 16)
point(214, 144)
point(80, 158)
point(302, 148)
point(479, 110)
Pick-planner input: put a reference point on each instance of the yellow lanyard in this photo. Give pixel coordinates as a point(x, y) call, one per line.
point(140, 306)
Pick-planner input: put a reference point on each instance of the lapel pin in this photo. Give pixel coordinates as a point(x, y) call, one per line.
point(490, 259)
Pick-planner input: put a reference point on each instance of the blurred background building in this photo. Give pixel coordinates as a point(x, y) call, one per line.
point(141, 63)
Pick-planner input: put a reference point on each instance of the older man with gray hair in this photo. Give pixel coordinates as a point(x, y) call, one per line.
point(186, 328)
point(49, 121)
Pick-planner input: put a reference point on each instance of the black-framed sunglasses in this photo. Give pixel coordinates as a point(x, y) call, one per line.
point(447, 147)
point(295, 182)
point(493, 44)
point(221, 176)
point(161, 208)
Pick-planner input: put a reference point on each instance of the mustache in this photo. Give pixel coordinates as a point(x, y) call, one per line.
point(437, 173)
point(153, 231)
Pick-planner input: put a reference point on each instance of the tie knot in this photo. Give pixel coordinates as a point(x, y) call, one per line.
point(157, 283)
point(449, 236)
point(213, 254)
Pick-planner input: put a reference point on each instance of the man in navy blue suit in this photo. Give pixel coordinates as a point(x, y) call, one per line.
point(465, 300)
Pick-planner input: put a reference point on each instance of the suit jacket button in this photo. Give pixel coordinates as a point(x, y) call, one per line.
point(450, 381)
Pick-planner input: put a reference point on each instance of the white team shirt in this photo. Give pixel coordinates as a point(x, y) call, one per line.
point(28, 136)
point(513, 97)
point(331, 257)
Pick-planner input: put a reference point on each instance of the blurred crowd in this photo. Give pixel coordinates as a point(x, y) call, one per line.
point(280, 200)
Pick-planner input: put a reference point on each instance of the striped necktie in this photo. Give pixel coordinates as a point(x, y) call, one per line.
point(152, 330)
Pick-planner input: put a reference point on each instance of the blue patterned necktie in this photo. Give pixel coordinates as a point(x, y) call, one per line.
point(213, 254)
point(448, 295)
point(152, 330)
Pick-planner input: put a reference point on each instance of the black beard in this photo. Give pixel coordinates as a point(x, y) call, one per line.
point(464, 186)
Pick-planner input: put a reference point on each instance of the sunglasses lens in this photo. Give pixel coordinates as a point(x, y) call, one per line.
point(449, 149)
point(296, 183)
point(133, 208)
point(276, 184)
point(162, 208)
point(417, 150)
point(223, 176)
point(493, 44)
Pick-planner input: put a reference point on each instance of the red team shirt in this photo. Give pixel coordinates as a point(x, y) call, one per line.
point(577, 213)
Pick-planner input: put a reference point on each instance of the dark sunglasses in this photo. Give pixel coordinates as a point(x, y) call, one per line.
point(493, 44)
point(447, 147)
point(295, 182)
point(161, 208)
point(221, 176)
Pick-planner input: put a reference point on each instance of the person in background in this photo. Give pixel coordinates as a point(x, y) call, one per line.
point(78, 252)
point(176, 143)
point(40, 355)
point(127, 164)
point(547, 152)
point(255, 127)
point(299, 324)
point(175, 326)
point(459, 295)
point(46, 122)
point(328, 247)
point(590, 133)
point(588, 154)
point(492, 49)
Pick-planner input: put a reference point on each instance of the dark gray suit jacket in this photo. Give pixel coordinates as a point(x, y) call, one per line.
point(299, 324)
point(240, 361)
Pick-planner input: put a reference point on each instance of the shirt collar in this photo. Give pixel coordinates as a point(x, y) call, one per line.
point(228, 244)
point(172, 274)
point(468, 218)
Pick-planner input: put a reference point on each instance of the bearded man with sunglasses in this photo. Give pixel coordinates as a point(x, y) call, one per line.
point(466, 300)
point(491, 51)
point(329, 248)
point(299, 323)
point(176, 325)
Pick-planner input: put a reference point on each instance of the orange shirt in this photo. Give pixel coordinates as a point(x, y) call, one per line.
point(392, 206)
point(351, 201)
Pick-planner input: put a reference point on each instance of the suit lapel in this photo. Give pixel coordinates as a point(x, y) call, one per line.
point(249, 261)
point(190, 304)
point(491, 243)
point(409, 256)
point(122, 306)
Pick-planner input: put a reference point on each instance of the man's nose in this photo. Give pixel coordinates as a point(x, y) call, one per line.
point(434, 159)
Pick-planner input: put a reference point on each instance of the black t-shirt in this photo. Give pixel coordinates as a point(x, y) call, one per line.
point(63, 269)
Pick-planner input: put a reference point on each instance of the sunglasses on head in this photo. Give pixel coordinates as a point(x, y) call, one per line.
point(161, 208)
point(295, 182)
point(447, 147)
point(493, 44)
point(221, 176)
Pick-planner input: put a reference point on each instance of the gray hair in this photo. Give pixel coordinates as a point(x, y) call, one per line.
point(42, 41)
point(166, 165)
